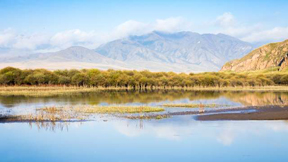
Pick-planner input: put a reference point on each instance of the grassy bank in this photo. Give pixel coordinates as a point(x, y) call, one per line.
point(48, 91)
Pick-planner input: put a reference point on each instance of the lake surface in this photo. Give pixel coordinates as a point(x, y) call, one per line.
point(179, 138)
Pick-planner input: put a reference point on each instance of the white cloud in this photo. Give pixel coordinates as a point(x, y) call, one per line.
point(6, 37)
point(225, 20)
point(225, 23)
point(254, 33)
point(61, 40)
point(30, 42)
point(73, 38)
point(270, 35)
point(132, 27)
point(173, 24)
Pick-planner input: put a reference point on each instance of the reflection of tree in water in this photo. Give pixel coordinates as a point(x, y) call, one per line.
point(51, 126)
point(123, 97)
point(112, 97)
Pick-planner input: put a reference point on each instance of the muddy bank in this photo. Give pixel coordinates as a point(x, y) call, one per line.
point(259, 113)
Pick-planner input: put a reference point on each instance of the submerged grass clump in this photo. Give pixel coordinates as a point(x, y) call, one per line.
point(194, 105)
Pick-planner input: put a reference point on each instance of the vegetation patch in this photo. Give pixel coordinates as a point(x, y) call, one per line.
point(41, 82)
point(79, 113)
point(117, 109)
point(195, 105)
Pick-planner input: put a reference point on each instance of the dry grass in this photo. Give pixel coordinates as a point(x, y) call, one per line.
point(194, 105)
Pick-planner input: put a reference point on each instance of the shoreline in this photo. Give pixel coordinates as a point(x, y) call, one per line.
point(48, 91)
point(268, 112)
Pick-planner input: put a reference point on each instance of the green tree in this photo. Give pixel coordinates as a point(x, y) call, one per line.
point(80, 79)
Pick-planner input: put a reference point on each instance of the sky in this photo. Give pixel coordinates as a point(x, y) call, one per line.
point(49, 25)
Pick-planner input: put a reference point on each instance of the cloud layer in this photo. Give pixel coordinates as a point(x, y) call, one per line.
point(225, 23)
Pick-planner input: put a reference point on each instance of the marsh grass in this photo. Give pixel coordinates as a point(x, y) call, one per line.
point(194, 105)
point(117, 109)
point(79, 113)
point(83, 112)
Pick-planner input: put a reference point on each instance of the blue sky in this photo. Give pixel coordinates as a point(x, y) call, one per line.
point(58, 24)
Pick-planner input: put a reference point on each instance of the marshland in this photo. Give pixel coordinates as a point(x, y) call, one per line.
point(175, 119)
point(104, 109)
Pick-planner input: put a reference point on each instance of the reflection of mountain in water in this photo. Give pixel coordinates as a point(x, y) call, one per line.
point(259, 98)
point(125, 97)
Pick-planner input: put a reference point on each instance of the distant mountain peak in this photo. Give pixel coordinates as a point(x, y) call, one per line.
point(75, 48)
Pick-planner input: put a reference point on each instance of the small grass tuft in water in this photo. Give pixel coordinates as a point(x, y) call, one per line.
point(194, 105)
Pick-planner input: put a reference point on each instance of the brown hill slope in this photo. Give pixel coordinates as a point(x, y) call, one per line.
point(269, 56)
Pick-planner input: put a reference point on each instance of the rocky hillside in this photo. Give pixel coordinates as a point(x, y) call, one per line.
point(269, 56)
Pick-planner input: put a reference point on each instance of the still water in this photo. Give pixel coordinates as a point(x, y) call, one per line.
point(180, 138)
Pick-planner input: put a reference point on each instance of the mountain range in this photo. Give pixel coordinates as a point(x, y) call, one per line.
point(155, 51)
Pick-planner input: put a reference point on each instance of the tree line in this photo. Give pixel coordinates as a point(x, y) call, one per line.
point(10, 76)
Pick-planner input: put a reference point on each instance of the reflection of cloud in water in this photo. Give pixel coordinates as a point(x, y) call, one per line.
point(232, 130)
point(224, 132)
point(171, 131)
point(226, 137)
point(283, 127)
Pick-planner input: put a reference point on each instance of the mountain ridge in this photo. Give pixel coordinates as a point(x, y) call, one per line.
point(207, 50)
point(156, 51)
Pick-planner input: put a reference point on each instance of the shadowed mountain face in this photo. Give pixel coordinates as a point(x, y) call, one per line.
point(156, 51)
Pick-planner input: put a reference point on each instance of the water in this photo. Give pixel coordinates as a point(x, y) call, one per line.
point(180, 138)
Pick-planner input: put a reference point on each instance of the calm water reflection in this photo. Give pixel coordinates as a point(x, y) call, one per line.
point(16, 105)
point(179, 138)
